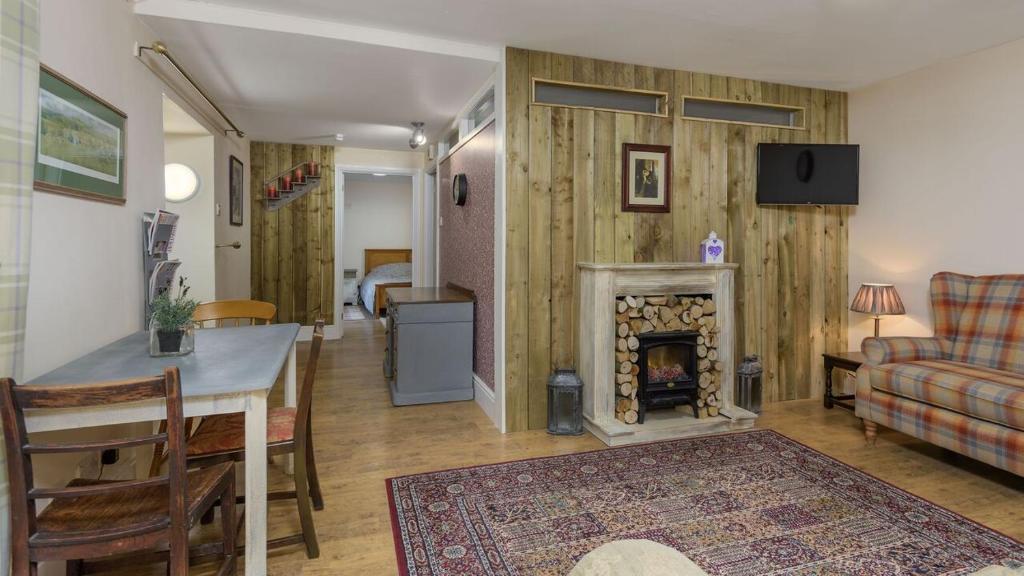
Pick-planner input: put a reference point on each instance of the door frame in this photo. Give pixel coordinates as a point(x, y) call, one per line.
point(423, 269)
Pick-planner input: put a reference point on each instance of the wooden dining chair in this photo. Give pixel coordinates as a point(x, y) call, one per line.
point(221, 438)
point(94, 519)
point(218, 311)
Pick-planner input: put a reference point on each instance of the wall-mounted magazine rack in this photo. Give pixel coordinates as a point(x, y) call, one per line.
point(158, 231)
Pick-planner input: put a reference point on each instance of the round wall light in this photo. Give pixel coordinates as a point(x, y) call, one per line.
point(181, 182)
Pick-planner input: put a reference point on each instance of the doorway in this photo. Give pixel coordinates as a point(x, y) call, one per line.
point(189, 193)
point(377, 236)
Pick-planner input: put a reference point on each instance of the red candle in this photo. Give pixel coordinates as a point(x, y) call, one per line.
point(299, 178)
point(272, 191)
point(311, 168)
point(286, 183)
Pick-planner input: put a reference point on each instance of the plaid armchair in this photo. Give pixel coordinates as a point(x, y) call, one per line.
point(962, 389)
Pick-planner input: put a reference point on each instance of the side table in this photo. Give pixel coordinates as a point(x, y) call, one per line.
point(847, 361)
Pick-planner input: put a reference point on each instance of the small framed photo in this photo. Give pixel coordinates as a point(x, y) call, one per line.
point(235, 196)
point(646, 178)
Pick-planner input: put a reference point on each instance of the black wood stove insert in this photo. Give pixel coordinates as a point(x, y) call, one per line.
point(668, 371)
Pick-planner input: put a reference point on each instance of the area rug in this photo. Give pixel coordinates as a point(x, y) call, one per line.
point(736, 504)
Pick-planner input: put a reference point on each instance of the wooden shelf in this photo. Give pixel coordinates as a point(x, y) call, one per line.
point(298, 190)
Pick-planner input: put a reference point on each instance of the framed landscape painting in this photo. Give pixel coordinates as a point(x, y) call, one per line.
point(646, 178)
point(80, 142)
point(235, 179)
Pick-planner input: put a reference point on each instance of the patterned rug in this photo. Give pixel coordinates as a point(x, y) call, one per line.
point(737, 504)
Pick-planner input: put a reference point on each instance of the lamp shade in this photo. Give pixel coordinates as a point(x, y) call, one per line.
point(878, 300)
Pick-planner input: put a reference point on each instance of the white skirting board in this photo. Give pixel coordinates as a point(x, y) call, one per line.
point(484, 397)
point(331, 332)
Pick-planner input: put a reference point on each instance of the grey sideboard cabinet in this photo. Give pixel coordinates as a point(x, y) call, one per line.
point(429, 353)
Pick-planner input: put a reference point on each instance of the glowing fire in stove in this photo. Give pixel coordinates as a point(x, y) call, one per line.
point(667, 373)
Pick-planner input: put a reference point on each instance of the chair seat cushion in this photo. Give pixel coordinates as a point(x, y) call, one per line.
point(67, 520)
point(986, 393)
point(225, 433)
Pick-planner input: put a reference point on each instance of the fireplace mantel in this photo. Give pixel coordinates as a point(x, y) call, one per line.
point(599, 286)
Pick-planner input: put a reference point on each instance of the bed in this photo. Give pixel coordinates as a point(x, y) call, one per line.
point(384, 268)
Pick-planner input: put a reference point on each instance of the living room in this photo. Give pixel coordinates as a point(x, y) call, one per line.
point(733, 290)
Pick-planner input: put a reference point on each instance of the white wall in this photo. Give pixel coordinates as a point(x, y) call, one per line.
point(378, 214)
point(86, 264)
point(193, 243)
point(941, 179)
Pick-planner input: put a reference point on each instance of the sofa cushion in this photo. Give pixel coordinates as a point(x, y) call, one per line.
point(993, 395)
point(990, 329)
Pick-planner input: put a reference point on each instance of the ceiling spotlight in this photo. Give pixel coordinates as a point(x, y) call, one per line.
point(418, 138)
point(339, 136)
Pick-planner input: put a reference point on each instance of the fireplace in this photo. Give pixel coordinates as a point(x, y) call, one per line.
point(668, 371)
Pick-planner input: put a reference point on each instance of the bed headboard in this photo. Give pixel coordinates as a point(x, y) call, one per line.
point(373, 257)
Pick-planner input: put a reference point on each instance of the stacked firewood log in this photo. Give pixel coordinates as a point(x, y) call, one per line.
point(636, 315)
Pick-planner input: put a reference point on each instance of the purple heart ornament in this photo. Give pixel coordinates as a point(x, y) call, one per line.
point(715, 251)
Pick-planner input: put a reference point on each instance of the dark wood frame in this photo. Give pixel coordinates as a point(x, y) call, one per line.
point(627, 148)
point(232, 196)
point(374, 257)
point(32, 544)
point(75, 192)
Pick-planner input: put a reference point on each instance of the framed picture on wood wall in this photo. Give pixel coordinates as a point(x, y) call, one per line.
point(646, 178)
point(235, 180)
point(80, 142)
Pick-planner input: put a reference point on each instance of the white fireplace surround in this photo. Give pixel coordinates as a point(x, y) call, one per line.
point(599, 286)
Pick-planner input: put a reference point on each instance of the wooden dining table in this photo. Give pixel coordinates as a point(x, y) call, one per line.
point(231, 370)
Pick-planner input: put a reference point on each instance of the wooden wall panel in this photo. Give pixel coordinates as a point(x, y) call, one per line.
point(563, 199)
point(293, 248)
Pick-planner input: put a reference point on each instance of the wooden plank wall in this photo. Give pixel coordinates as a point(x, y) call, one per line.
point(563, 197)
point(293, 248)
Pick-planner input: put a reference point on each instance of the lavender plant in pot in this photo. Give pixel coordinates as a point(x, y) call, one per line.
point(171, 329)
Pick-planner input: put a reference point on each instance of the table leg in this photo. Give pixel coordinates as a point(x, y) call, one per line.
point(256, 484)
point(291, 399)
point(828, 385)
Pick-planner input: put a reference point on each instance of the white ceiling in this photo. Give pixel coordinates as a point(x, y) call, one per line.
point(840, 44)
point(294, 88)
point(296, 70)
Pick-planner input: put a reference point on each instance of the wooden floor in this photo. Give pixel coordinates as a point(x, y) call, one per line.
point(361, 440)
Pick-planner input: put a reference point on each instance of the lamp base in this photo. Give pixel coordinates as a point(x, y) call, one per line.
point(877, 320)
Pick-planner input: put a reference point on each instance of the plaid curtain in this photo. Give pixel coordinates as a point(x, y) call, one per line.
point(19, 98)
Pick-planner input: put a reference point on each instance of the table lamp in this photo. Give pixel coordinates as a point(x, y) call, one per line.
point(878, 300)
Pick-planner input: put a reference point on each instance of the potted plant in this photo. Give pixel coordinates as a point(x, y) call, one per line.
point(171, 329)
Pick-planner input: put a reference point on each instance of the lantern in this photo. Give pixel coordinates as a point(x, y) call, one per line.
point(748, 384)
point(565, 403)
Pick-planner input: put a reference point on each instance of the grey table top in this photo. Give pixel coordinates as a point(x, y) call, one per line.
point(226, 360)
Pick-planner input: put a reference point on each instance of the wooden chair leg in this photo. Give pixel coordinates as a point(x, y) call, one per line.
point(305, 506)
point(228, 528)
point(74, 567)
point(314, 477)
point(870, 431)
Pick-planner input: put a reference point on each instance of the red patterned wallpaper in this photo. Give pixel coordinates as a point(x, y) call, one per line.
point(467, 239)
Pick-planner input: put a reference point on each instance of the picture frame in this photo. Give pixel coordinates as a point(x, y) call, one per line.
point(646, 178)
point(236, 179)
point(80, 142)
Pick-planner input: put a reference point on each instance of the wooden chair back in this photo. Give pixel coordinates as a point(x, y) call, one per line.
point(255, 311)
point(303, 421)
point(15, 400)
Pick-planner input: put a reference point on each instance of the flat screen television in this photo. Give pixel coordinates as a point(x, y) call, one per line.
point(807, 173)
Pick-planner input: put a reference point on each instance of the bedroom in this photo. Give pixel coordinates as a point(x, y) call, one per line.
point(376, 239)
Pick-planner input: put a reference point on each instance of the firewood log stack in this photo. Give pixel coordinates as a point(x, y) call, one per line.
point(636, 315)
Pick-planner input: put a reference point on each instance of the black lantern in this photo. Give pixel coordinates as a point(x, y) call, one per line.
point(748, 384)
point(565, 403)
